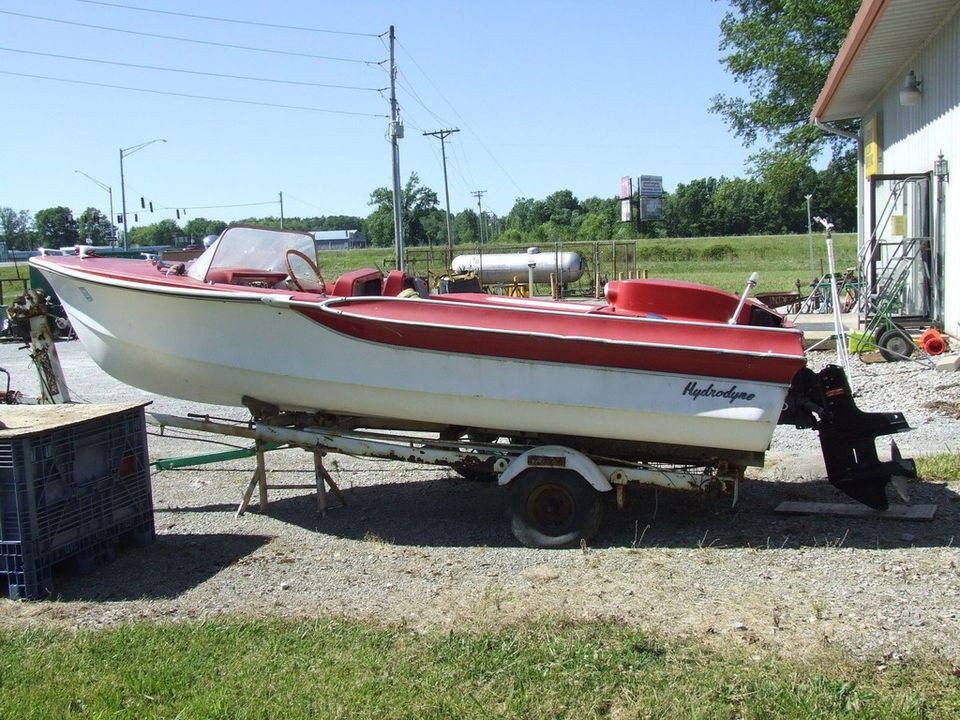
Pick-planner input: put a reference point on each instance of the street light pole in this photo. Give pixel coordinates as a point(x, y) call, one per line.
point(123, 189)
point(113, 237)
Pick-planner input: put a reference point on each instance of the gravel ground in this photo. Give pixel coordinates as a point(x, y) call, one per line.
point(422, 547)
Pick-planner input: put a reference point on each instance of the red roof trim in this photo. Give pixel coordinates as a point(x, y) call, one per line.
point(860, 32)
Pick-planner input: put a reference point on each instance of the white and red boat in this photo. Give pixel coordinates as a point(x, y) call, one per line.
point(662, 370)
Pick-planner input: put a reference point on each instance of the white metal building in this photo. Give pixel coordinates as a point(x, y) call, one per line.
point(899, 72)
point(340, 239)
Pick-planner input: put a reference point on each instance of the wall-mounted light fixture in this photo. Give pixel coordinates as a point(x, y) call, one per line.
point(910, 92)
point(941, 169)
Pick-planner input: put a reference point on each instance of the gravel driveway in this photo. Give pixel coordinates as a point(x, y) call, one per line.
point(423, 547)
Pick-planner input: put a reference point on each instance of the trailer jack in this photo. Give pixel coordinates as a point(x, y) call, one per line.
point(824, 402)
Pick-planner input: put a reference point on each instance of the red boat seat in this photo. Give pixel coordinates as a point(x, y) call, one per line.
point(397, 281)
point(673, 299)
point(365, 281)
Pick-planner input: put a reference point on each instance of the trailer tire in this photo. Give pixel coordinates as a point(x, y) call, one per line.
point(554, 508)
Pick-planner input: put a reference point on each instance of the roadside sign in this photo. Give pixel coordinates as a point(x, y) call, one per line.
point(651, 186)
point(651, 208)
point(626, 199)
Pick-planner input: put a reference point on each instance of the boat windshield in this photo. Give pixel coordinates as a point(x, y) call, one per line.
point(251, 248)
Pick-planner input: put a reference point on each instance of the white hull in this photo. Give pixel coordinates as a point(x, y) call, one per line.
point(214, 349)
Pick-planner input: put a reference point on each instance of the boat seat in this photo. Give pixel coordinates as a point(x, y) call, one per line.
point(397, 281)
point(356, 283)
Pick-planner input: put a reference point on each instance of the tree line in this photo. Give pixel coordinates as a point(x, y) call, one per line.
point(704, 207)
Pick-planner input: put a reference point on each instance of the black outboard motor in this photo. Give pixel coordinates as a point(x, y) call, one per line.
point(823, 401)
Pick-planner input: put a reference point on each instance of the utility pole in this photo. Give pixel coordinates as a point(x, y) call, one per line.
point(281, 210)
point(443, 135)
point(478, 194)
point(396, 132)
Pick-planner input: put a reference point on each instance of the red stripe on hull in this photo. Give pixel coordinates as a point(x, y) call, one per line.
point(734, 352)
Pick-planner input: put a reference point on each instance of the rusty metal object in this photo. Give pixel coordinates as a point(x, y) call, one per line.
point(32, 308)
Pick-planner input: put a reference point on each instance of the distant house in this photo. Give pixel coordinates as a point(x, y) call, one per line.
point(340, 239)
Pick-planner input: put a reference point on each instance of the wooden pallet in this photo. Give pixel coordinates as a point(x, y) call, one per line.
point(894, 512)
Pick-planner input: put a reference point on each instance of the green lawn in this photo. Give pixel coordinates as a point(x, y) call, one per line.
point(726, 263)
point(723, 262)
point(338, 669)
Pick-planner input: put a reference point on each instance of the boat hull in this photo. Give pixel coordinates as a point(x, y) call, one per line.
point(224, 348)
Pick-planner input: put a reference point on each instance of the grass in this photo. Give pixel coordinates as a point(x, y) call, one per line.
point(726, 262)
point(723, 262)
point(339, 669)
point(944, 467)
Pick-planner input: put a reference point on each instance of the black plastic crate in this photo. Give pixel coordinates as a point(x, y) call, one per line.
point(74, 481)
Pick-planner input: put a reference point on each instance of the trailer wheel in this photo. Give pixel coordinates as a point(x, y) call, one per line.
point(896, 345)
point(554, 509)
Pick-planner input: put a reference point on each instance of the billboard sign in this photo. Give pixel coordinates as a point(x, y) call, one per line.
point(651, 208)
point(651, 186)
point(626, 199)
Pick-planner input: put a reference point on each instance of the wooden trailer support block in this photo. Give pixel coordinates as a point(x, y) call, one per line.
point(322, 480)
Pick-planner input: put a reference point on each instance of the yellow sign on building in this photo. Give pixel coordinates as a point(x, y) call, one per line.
point(898, 225)
point(871, 146)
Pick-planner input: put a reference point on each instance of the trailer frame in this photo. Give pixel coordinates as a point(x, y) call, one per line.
point(560, 507)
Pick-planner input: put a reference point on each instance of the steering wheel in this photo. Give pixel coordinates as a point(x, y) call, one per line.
point(309, 279)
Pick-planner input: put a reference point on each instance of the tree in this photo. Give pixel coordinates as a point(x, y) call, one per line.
point(595, 226)
point(198, 228)
point(560, 208)
point(15, 229)
point(783, 52)
point(687, 211)
point(465, 228)
point(738, 207)
point(418, 208)
point(164, 232)
point(522, 217)
point(338, 222)
point(95, 228)
point(834, 195)
point(56, 227)
point(787, 178)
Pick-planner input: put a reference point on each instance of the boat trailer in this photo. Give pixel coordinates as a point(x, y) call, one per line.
point(557, 490)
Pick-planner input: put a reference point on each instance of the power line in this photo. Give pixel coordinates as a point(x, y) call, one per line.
point(228, 20)
point(462, 122)
point(219, 207)
point(191, 72)
point(196, 97)
point(192, 40)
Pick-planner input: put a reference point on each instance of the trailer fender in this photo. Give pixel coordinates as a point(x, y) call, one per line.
point(561, 458)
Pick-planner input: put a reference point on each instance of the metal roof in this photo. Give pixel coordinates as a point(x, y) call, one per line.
point(884, 36)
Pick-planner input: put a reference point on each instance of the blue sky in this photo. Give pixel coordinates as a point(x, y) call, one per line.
point(546, 95)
